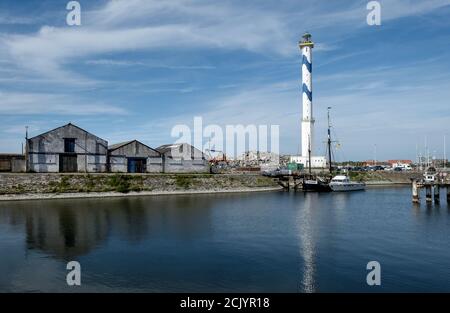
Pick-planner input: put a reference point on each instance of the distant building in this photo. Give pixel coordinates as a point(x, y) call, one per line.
point(183, 158)
point(374, 162)
point(316, 162)
point(134, 157)
point(12, 162)
point(66, 149)
point(400, 163)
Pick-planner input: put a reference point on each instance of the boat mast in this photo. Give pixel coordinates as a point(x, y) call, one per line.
point(309, 154)
point(329, 140)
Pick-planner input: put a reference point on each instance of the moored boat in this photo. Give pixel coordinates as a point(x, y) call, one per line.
point(343, 183)
point(316, 184)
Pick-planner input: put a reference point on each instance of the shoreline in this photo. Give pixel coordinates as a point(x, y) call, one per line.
point(386, 183)
point(93, 195)
point(112, 194)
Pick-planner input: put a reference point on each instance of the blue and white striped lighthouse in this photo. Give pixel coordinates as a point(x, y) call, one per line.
point(306, 46)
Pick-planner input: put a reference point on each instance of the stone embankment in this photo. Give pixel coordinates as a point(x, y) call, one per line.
point(39, 186)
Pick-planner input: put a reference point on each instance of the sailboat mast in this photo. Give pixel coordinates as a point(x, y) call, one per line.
point(329, 141)
point(309, 154)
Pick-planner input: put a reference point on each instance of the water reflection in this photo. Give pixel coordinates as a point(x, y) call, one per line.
point(265, 242)
point(67, 229)
point(307, 243)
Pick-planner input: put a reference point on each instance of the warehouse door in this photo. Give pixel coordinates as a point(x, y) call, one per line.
point(137, 165)
point(68, 163)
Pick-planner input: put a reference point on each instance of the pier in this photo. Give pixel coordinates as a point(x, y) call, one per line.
point(432, 190)
point(292, 181)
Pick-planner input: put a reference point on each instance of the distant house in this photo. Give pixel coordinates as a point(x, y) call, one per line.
point(134, 157)
point(374, 162)
point(66, 149)
point(400, 163)
point(183, 158)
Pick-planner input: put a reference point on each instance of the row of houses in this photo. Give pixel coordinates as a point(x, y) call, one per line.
point(70, 149)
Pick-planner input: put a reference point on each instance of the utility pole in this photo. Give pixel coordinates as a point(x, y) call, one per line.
point(27, 164)
point(445, 155)
point(375, 155)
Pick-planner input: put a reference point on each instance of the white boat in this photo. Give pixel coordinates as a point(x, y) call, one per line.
point(429, 178)
point(343, 183)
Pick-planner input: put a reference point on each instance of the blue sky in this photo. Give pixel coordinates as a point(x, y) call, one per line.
point(136, 68)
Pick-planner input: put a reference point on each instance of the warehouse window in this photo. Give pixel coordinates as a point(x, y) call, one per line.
point(69, 145)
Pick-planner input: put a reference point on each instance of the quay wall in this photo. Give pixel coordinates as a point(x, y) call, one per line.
point(385, 177)
point(58, 183)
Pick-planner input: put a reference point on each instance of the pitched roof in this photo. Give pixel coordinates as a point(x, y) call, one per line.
point(68, 124)
point(122, 144)
point(167, 149)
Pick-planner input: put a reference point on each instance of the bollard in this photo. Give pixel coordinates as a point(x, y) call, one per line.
point(428, 196)
point(415, 192)
point(437, 193)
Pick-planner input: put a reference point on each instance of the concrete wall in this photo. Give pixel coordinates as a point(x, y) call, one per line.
point(118, 164)
point(185, 166)
point(155, 165)
point(18, 165)
point(44, 150)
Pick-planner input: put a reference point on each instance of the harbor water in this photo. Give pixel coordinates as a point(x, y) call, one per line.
point(247, 242)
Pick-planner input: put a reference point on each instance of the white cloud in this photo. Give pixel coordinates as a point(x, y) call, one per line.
point(109, 30)
point(135, 25)
point(110, 62)
point(51, 104)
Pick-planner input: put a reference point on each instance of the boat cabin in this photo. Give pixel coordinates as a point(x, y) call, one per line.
point(340, 179)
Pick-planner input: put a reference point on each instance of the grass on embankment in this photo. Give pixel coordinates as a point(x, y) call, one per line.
point(124, 183)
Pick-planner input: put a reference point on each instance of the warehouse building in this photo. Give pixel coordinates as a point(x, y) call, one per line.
point(183, 158)
point(134, 157)
point(66, 149)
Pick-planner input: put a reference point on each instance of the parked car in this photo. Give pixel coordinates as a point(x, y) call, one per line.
point(398, 169)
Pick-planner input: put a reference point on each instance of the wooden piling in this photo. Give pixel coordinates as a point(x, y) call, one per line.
point(428, 192)
point(437, 193)
point(291, 183)
point(415, 192)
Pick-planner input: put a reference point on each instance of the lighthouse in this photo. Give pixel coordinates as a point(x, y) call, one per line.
point(307, 122)
point(306, 45)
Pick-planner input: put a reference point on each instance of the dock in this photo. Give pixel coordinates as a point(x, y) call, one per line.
point(432, 190)
point(294, 181)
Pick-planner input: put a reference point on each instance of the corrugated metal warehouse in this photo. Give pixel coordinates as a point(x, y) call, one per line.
point(134, 157)
point(183, 158)
point(66, 149)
